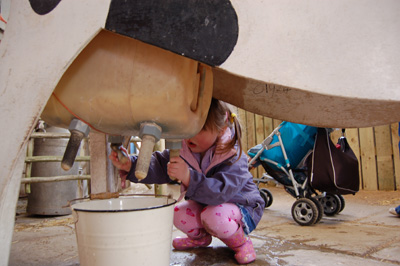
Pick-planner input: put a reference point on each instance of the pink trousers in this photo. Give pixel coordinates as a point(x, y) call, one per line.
point(220, 221)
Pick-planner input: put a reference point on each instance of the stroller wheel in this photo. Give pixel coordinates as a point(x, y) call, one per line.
point(320, 209)
point(305, 211)
point(332, 204)
point(267, 197)
point(341, 201)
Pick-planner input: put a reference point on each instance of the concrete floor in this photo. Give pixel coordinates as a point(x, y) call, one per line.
point(363, 234)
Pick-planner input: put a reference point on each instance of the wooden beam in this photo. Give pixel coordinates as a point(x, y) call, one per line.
point(48, 158)
point(396, 157)
point(384, 158)
point(259, 126)
point(54, 178)
point(243, 122)
point(251, 135)
point(368, 158)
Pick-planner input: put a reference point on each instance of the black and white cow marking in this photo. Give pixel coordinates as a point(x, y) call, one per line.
point(206, 31)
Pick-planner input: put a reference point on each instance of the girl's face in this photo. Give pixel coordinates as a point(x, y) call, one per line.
point(202, 141)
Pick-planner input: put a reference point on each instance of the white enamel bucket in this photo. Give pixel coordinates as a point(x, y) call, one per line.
point(134, 230)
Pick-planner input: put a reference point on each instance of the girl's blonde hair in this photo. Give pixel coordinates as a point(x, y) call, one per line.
point(219, 117)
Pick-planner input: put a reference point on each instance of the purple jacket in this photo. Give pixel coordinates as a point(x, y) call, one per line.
point(223, 181)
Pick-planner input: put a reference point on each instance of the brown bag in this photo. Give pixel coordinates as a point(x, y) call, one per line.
point(333, 168)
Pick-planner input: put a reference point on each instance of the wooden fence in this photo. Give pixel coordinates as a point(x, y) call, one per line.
point(377, 149)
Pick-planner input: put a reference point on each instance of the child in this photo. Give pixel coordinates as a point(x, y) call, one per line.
point(221, 197)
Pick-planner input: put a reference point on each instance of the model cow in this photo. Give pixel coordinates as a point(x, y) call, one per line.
point(322, 63)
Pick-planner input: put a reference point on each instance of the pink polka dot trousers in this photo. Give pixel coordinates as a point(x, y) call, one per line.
point(221, 221)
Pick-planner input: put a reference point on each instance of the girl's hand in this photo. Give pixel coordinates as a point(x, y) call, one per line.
point(122, 166)
point(123, 175)
point(178, 168)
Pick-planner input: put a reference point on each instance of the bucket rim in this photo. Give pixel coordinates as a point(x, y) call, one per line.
point(173, 201)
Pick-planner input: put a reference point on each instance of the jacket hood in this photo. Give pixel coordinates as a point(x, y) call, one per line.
point(216, 159)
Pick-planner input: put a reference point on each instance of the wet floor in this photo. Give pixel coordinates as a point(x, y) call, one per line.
point(364, 233)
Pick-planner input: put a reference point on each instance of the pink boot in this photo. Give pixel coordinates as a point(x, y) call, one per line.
point(242, 245)
point(182, 243)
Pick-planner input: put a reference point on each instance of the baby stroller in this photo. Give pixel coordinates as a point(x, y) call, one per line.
point(284, 155)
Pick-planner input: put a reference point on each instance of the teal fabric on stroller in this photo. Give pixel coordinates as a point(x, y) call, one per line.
point(297, 140)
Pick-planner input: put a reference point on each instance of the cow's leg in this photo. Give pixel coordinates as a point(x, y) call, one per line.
point(8, 201)
point(34, 54)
